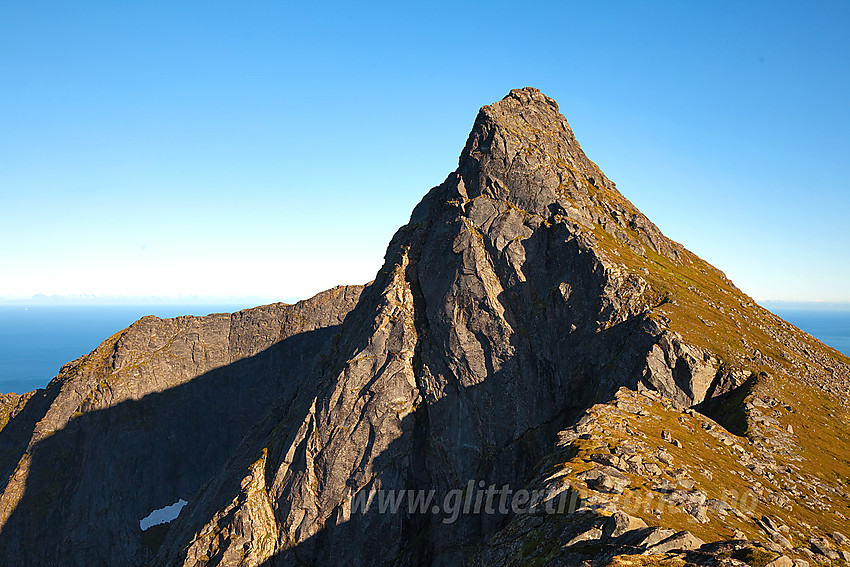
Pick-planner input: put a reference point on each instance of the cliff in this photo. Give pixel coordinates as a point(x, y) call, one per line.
point(148, 417)
point(529, 329)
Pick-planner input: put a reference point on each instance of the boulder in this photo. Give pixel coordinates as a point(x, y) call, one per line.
point(619, 523)
point(781, 561)
point(587, 535)
point(841, 539)
point(645, 538)
point(821, 547)
point(605, 479)
point(680, 541)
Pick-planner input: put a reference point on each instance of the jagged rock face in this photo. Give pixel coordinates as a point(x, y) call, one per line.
point(495, 319)
point(682, 373)
point(524, 289)
point(148, 417)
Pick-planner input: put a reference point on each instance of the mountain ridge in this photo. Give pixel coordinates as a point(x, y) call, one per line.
point(522, 306)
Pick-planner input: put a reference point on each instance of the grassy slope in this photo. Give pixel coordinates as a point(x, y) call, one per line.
point(819, 455)
point(805, 486)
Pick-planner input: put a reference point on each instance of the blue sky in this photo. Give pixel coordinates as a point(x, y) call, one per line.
point(270, 150)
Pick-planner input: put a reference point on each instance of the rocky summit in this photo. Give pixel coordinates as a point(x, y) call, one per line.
point(536, 376)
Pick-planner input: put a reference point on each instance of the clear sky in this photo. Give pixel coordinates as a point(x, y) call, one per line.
point(272, 148)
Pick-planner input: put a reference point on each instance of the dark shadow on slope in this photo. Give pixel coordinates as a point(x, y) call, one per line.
point(728, 409)
point(18, 432)
point(412, 462)
point(169, 445)
point(564, 361)
point(91, 482)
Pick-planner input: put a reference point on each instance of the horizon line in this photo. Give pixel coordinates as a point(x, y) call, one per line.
point(91, 299)
point(41, 299)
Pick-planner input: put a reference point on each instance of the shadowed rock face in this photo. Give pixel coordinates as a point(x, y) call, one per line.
point(497, 317)
point(148, 417)
point(492, 322)
point(524, 289)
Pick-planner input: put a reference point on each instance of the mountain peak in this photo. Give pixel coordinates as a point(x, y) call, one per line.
point(527, 124)
point(522, 151)
point(530, 329)
point(528, 96)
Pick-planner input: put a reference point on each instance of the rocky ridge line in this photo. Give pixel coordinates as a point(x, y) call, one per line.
point(172, 397)
point(521, 298)
point(523, 289)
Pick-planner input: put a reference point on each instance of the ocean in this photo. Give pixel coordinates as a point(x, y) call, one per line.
point(830, 327)
point(35, 341)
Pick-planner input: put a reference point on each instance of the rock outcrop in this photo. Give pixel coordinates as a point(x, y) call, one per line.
point(147, 418)
point(530, 332)
point(493, 322)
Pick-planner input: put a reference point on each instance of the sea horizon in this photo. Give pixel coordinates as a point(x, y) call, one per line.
point(37, 339)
